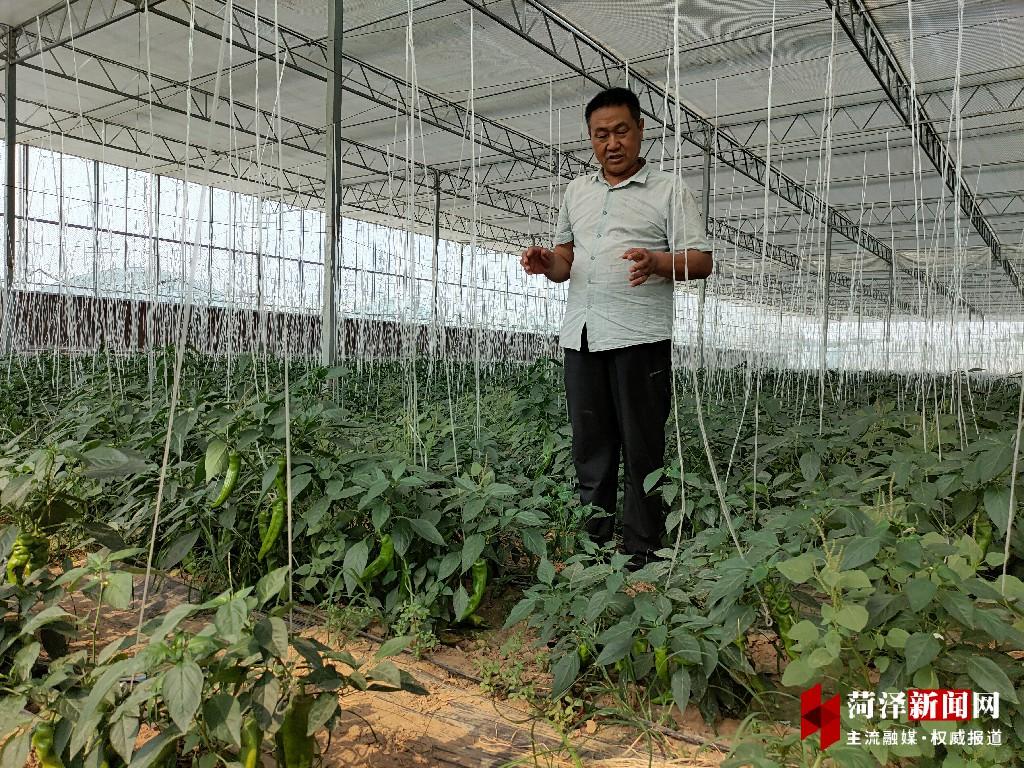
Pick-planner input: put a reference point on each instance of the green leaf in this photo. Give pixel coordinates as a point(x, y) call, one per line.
point(24, 660)
point(565, 672)
point(852, 616)
point(118, 591)
point(272, 635)
point(426, 530)
point(797, 569)
point(15, 751)
point(857, 552)
point(216, 458)
point(897, 638)
point(108, 462)
point(798, 673)
point(270, 586)
point(958, 606)
point(393, 647)
point(170, 621)
point(386, 672)
point(460, 601)
point(853, 756)
point(178, 549)
point(681, 686)
point(991, 678)
point(12, 715)
point(449, 563)
point(183, 692)
point(997, 507)
point(152, 750)
point(652, 479)
point(534, 542)
point(471, 550)
point(545, 572)
point(223, 715)
point(596, 605)
point(123, 732)
point(920, 650)
point(992, 463)
point(356, 558)
point(46, 616)
point(919, 591)
point(324, 707)
point(803, 632)
point(618, 641)
point(520, 611)
point(810, 465)
point(472, 509)
point(375, 490)
point(230, 618)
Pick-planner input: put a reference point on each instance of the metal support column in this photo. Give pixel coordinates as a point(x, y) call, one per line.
point(332, 188)
point(705, 199)
point(437, 244)
point(10, 117)
point(893, 303)
point(823, 362)
point(95, 228)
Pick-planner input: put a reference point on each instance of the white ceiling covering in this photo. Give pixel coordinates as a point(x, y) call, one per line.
point(725, 53)
point(15, 12)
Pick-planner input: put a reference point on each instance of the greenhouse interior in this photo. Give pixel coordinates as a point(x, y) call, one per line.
point(324, 444)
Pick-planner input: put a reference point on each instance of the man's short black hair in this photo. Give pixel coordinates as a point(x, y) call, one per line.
point(614, 97)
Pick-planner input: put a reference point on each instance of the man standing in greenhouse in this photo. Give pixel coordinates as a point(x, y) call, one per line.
point(625, 233)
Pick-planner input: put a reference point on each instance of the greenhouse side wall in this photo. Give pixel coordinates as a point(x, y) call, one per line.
point(51, 321)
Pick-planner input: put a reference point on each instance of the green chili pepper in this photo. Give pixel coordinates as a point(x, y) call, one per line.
point(273, 529)
point(383, 560)
point(277, 513)
point(42, 742)
point(263, 521)
point(21, 555)
point(252, 740)
point(583, 651)
point(661, 654)
point(294, 747)
point(479, 585)
point(230, 479)
point(982, 534)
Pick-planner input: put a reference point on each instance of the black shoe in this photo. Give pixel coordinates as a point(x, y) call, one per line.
point(638, 560)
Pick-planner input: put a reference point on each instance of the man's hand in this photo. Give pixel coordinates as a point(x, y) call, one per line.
point(537, 260)
point(644, 264)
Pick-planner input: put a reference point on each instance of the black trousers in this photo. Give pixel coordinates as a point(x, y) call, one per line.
point(619, 401)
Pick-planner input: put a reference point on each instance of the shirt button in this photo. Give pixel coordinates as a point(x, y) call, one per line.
point(604, 213)
point(592, 258)
point(599, 236)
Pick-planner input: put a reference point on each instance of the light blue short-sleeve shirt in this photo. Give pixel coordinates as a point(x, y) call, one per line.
point(647, 210)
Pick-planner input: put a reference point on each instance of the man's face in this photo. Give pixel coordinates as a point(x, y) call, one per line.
point(616, 138)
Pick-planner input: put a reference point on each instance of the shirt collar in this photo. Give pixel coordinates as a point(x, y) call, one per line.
point(639, 177)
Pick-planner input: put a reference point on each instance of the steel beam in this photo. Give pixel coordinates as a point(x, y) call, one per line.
point(309, 57)
point(860, 27)
point(538, 25)
point(66, 22)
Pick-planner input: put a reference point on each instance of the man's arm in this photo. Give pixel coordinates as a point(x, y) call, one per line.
point(555, 264)
point(689, 264)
